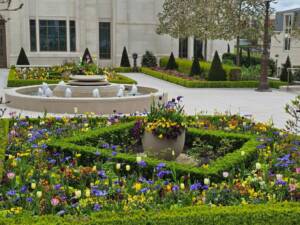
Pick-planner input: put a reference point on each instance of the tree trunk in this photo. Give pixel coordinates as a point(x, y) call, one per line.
point(238, 59)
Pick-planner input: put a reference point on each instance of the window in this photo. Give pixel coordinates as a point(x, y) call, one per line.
point(104, 40)
point(183, 48)
point(198, 48)
point(72, 36)
point(32, 25)
point(53, 35)
point(287, 32)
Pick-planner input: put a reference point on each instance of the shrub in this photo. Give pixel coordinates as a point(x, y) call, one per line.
point(235, 75)
point(251, 73)
point(149, 60)
point(172, 65)
point(196, 69)
point(216, 73)
point(285, 76)
point(87, 58)
point(125, 60)
point(4, 127)
point(22, 59)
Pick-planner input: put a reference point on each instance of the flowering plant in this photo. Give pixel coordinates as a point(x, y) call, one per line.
point(165, 120)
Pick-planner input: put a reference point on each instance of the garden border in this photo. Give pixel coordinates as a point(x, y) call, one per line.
point(207, 84)
point(4, 129)
point(214, 170)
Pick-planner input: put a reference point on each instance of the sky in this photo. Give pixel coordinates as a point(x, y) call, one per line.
point(287, 4)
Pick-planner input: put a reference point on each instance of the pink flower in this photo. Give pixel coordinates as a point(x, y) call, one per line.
point(298, 170)
point(54, 201)
point(292, 187)
point(11, 175)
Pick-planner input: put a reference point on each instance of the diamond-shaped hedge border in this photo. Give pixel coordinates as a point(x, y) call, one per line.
point(215, 169)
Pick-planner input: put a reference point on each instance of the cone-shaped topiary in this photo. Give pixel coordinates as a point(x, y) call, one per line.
point(284, 76)
point(196, 69)
point(22, 59)
point(172, 65)
point(87, 58)
point(216, 73)
point(149, 60)
point(125, 60)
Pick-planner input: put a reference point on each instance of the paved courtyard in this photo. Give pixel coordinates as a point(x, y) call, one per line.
point(263, 106)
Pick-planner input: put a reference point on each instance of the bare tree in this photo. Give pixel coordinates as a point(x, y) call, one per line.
point(8, 5)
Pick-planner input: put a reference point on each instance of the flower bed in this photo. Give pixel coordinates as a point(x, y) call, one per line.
point(48, 174)
point(187, 82)
point(53, 75)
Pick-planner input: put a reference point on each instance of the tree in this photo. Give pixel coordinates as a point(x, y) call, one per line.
point(125, 60)
point(216, 73)
point(172, 65)
point(184, 18)
point(22, 58)
point(285, 73)
point(87, 58)
point(228, 48)
point(196, 69)
point(8, 5)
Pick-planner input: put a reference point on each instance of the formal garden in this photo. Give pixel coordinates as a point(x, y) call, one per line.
point(98, 170)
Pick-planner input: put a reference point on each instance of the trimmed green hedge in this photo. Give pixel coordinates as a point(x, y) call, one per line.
point(77, 143)
point(13, 82)
point(4, 129)
point(185, 65)
point(207, 84)
point(125, 70)
point(268, 214)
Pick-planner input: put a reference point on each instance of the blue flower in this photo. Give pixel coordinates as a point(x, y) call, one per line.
point(23, 189)
point(102, 174)
point(175, 188)
point(280, 182)
point(61, 213)
point(142, 164)
point(144, 190)
point(98, 193)
point(163, 173)
point(160, 166)
point(57, 186)
point(29, 199)
point(11, 192)
point(114, 153)
point(196, 187)
point(97, 207)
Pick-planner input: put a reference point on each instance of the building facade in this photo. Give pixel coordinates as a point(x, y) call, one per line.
point(56, 31)
point(283, 43)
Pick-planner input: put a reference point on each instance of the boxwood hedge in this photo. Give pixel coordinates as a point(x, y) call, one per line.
point(268, 214)
point(115, 134)
point(207, 84)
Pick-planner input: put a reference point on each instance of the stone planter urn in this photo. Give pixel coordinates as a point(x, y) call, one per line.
point(167, 149)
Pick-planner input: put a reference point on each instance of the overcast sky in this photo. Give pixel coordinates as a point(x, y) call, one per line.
point(287, 4)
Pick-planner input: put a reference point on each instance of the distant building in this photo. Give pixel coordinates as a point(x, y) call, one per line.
point(283, 43)
point(55, 31)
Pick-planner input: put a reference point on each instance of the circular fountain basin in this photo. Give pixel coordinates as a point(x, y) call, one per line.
point(26, 98)
point(85, 80)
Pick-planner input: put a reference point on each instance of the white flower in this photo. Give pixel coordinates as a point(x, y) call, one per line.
point(118, 166)
point(33, 185)
point(78, 194)
point(127, 167)
point(206, 181)
point(225, 174)
point(39, 194)
point(138, 159)
point(279, 177)
point(182, 186)
point(258, 166)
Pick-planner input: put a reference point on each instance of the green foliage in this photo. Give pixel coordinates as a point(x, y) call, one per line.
point(293, 109)
point(87, 58)
point(184, 66)
point(268, 214)
point(172, 65)
point(235, 75)
point(286, 75)
point(22, 58)
point(4, 127)
point(196, 69)
point(125, 60)
point(216, 73)
point(149, 60)
point(231, 160)
point(251, 73)
point(207, 84)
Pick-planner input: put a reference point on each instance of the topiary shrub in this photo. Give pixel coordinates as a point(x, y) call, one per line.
point(125, 60)
point(196, 69)
point(284, 76)
point(22, 58)
point(235, 75)
point(149, 60)
point(216, 73)
point(172, 65)
point(87, 58)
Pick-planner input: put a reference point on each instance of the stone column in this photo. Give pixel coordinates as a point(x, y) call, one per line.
point(91, 26)
point(190, 47)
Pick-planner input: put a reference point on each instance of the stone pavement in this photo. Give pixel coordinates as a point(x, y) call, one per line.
point(262, 106)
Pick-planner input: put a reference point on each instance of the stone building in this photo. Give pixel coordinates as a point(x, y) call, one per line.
point(55, 31)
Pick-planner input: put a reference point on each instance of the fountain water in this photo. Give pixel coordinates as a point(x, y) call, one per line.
point(68, 93)
point(96, 93)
